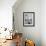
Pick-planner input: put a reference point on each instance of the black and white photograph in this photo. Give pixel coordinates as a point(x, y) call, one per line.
point(28, 18)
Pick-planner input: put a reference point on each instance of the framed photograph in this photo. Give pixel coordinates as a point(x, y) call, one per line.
point(29, 19)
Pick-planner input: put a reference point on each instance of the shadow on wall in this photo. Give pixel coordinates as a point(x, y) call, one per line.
point(28, 6)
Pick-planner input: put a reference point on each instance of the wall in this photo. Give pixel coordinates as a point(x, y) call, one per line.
point(33, 33)
point(6, 13)
point(43, 22)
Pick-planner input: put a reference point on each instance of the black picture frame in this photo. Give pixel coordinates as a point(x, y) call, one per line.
point(28, 19)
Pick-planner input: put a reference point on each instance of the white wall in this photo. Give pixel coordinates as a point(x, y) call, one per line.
point(33, 33)
point(43, 22)
point(6, 13)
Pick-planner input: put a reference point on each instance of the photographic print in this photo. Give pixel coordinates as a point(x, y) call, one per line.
point(28, 18)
